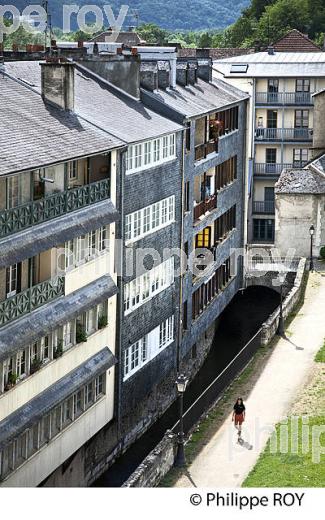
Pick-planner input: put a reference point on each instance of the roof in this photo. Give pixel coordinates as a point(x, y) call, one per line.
point(301, 181)
point(295, 41)
point(17, 334)
point(216, 53)
point(201, 98)
point(33, 411)
point(128, 38)
point(279, 64)
point(99, 103)
point(35, 134)
point(32, 241)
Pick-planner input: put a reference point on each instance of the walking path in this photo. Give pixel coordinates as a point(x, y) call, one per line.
point(225, 463)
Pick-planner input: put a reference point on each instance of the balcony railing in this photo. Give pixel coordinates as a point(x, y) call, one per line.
point(202, 207)
point(284, 134)
point(265, 206)
point(203, 150)
point(30, 299)
point(276, 168)
point(284, 98)
point(56, 205)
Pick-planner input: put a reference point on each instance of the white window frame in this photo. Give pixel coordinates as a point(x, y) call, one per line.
point(148, 285)
point(149, 219)
point(148, 347)
point(148, 154)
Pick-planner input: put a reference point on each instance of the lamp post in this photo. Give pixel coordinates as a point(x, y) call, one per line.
point(181, 384)
point(311, 232)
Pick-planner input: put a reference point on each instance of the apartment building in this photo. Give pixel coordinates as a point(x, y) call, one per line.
point(57, 279)
point(213, 206)
point(280, 118)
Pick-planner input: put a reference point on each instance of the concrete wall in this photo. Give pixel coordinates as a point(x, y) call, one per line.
point(295, 213)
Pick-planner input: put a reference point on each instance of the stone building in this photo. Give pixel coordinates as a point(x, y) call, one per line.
point(58, 284)
point(300, 204)
point(178, 184)
point(280, 82)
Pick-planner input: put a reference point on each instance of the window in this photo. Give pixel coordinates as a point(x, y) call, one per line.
point(272, 119)
point(188, 137)
point(148, 285)
point(238, 68)
point(300, 157)
point(302, 85)
point(50, 425)
point(263, 229)
point(146, 220)
point(85, 247)
point(68, 335)
point(301, 118)
point(13, 195)
point(203, 239)
point(73, 170)
point(226, 173)
point(187, 197)
point(270, 155)
point(102, 238)
point(150, 153)
point(148, 347)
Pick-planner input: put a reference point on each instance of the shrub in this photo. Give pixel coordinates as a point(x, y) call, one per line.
point(322, 252)
point(102, 322)
point(81, 335)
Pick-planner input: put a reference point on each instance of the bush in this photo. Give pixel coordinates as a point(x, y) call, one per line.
point(81, 335)
point(322, 252)
point(102, 322)
point(59, 350)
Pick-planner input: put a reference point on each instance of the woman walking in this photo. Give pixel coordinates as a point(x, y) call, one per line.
point(238, 415)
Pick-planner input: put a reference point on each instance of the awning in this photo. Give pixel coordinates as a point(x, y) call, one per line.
point(32, 327)
point(29, 414)
point(41, 237)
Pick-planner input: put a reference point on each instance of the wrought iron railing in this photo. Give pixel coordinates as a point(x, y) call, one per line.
point(276, 168)
point(284, 98)
point(264, 206)
point(35, 212)
point(284, 134)
point(30, 299)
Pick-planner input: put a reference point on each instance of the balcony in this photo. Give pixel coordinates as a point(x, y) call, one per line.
point(203, 207)
point(265, 206)
point(284, 98)
point(52, 206)
point(205, 149)
point(27, 301)
point(275, 168)
point(284, 134)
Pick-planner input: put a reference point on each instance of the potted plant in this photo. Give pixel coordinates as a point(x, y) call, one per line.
point(102, 322)
point(35, 365)
point(12, 381)
point(58, 351)
point(81, 335)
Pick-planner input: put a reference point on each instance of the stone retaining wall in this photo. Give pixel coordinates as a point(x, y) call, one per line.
point(270, 327)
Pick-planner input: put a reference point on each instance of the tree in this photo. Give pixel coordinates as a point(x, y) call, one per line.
point(151, 33)
point(280, 18)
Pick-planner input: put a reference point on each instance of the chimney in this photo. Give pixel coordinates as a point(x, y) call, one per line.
point(163, 74)
point(204, 69)
point(181, 73)
point(270, 50)
point(192, 73)
point(58, 83)
point(149, 75)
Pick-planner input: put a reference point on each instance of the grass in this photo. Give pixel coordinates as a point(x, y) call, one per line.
point(320, 356)
point(290, 469)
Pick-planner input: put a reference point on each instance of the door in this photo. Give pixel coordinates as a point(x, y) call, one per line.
point(301, 124)
point(269, 199)
point(273, 91)
point(272, 124)
point(302, 91)
point(270, 160)
point(13, 280)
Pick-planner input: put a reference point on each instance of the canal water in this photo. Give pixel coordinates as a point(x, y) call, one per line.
point(238, 324)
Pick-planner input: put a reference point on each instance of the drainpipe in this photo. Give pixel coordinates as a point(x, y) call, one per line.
point(181, 262)
point(120, 307)
point(245, 196)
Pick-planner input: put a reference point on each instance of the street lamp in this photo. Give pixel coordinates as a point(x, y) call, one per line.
point(311, 232)
point(181, 384)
